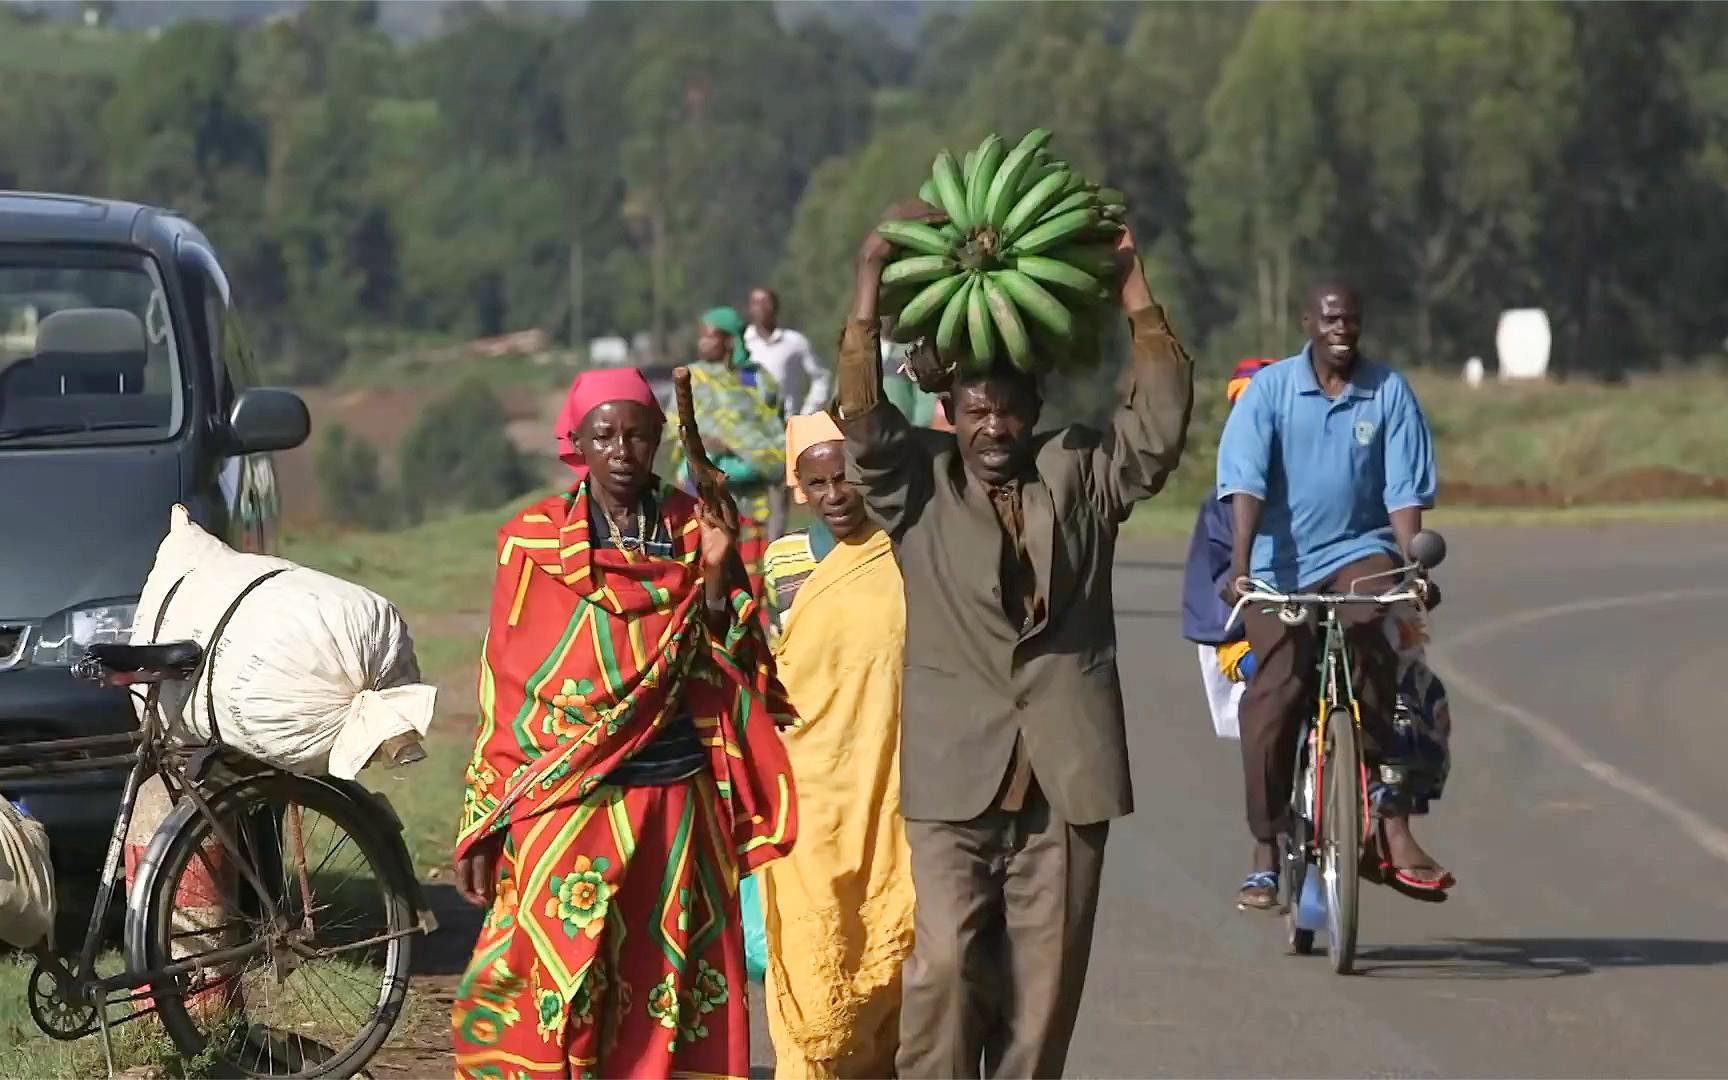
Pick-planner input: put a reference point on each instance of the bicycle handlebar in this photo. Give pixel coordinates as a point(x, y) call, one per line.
point(1416, 589)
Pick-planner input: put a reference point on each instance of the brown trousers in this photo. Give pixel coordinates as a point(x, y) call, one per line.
point(1003, 935)
point(1284, 689)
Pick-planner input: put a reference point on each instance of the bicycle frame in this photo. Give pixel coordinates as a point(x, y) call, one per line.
point(1337, 685)
point(1336, 679)
point(176, 768)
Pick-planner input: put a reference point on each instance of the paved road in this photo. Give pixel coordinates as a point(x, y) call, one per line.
point(1586, 820)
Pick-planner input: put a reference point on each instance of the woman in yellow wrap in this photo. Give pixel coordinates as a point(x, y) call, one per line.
point(838, 910)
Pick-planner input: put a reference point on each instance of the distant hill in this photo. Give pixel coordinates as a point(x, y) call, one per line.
point(410, 20)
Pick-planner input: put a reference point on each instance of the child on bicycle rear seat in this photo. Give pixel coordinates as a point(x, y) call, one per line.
point(1226, 661)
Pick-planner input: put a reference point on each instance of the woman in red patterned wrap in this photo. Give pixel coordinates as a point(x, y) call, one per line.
point(626, 772)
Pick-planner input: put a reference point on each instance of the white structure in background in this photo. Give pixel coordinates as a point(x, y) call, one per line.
point(1473, 371)
point(1523, 340)
point(608, 352)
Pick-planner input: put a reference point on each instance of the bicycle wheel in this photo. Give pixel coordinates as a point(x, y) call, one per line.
point(1298, 850)
point(322, 998)
point(1341, 839)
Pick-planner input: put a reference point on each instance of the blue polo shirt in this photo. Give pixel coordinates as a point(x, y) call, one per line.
point(1330, 471)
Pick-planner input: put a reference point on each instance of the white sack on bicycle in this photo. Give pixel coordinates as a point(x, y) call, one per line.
point(313, 674)
point(26, 879)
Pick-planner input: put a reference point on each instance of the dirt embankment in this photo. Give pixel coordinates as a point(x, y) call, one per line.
point(383, 417)
point(1651, 484)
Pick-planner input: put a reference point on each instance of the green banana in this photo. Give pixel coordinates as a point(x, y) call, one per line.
point(917, 268)
point(891, 299)
point(1086, 258)
point(954, 314)
point(990, 153)
point(1008, 323)
point(1047, 249)
point(1034, 140)
point(915, 236)
point(978, 326)
point(1005, 189)
point(1035, 300)
point(1054, 271)
point(1037, 173)
point(1054, 232)
point(1032, 204)
point(1104, 231)
point(952, 189)
point(1072, 201)
point(926, 304)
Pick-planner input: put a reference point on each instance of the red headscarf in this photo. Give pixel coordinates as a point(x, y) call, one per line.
point(1239, 378)
point(595, 388)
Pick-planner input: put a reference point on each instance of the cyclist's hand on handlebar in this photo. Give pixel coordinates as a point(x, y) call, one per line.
point(1430, 595)
point(477, 872)
point(1237, 584)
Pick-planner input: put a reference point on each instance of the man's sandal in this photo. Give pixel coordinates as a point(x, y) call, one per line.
point(1403, 880)
point(1259, 891)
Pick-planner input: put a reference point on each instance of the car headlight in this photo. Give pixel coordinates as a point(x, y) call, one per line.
point(63, 638)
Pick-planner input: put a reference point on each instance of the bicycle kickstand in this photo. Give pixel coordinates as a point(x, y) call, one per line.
point(101, 996)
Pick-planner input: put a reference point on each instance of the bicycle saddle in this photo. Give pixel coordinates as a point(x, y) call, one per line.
point(170, 659)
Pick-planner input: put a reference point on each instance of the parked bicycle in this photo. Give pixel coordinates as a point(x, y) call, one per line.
point(269, 921)
point(1329, 800)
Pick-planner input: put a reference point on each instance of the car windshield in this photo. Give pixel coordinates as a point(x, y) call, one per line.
point(87, 350)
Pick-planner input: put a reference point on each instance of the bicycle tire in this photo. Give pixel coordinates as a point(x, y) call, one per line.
point(1298, 841)
point(1341, 850)
point(250, 796)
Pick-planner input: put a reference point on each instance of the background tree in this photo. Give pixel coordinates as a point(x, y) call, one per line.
point(350, 483)
point(459, 457)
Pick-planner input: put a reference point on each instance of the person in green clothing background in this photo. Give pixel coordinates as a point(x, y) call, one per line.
point(741, 428)
point(921, 408)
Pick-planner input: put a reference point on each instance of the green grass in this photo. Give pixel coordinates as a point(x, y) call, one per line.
point(1573, 437)
point(1548, 446)
point(437, 567)
point(428, 798)
point(27, 1054)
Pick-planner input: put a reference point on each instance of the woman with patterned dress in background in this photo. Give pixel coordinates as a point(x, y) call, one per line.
point(626, 772)
point(741, 428)
point(838, 910)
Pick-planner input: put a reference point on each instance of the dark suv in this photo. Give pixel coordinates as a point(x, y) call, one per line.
point(125, 387)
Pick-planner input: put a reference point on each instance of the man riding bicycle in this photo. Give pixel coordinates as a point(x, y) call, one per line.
point(1328, 464)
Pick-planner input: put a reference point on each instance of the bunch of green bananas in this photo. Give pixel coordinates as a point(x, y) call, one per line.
point(1023, 267)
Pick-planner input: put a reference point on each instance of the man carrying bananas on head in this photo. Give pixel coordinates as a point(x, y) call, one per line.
point(1013, 754)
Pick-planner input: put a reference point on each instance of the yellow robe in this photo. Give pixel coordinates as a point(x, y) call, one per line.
point(838, 910)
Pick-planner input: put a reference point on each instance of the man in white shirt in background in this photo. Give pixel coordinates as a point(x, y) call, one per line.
point(785, 354)
point(804, 384)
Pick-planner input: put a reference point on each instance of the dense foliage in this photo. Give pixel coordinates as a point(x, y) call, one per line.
point(620, 169)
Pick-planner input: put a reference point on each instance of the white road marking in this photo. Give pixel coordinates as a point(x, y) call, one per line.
point(1712, 840)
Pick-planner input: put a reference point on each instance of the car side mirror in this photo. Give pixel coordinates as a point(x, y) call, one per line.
point(265, 419)
point(1428, 549)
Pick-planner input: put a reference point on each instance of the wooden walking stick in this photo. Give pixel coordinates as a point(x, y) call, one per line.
point(709, 480)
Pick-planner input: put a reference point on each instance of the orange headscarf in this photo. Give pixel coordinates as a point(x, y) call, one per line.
point(803, 432)
point(1244, 373)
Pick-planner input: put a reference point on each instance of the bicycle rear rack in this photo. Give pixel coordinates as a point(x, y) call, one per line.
point(90, 753)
